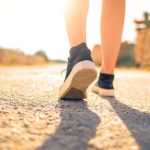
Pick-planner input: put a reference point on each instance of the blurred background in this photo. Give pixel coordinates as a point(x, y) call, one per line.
point(32, 32)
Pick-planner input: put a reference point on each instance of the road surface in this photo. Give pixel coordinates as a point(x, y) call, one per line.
point(33, 118)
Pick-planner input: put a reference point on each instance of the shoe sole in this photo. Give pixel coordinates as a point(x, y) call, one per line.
point(77, 83)
point(103, 92)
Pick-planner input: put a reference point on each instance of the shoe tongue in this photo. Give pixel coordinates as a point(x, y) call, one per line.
point(104, 76)
point(78, 50)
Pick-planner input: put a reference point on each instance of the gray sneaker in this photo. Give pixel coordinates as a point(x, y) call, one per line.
point(81, 73)
point(104, 86)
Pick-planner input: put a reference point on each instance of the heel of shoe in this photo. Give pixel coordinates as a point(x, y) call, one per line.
point(82, 75)
point(103, 92)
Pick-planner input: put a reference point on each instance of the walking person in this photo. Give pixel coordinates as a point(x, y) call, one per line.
point(81, 71)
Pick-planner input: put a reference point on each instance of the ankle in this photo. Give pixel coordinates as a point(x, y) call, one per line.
point(73, 45)
point(107, 70)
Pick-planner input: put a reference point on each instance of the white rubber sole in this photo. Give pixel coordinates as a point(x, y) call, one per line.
point(103, 92)
point(81, 77)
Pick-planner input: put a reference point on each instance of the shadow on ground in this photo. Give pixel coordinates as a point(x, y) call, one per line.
point(137, 122)
point(77, 127)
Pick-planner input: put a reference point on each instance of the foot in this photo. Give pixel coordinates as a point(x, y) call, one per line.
point(81, 72)
point(104, 86)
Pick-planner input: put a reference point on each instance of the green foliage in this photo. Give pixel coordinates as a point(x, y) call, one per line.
point(126, 57)
point(146, 19)
point(43, 54)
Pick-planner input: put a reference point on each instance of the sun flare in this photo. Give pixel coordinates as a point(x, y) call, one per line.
point(37, 24)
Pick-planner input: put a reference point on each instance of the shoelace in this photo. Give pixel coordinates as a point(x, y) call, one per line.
point(62, 72)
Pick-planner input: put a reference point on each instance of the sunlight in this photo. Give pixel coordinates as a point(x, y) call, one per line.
point(65, 3)
point(32, 25)
point(43, 28)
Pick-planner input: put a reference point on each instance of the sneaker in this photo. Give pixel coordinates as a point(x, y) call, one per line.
point(104, 86)
point(80, 74)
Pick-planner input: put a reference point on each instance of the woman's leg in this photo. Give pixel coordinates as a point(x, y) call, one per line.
point(112, 20)
point(75, 16)
point(111, 31)
point(81, 71)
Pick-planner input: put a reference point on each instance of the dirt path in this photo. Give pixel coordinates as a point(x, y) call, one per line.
point(32, 117)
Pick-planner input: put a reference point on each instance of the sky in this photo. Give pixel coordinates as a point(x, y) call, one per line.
point(31, 25)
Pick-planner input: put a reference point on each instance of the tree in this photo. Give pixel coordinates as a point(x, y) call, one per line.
point(43, 54)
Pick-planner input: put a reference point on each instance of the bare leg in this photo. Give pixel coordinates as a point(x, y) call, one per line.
point(112, 21)
point(75, 16)
point(81, 71)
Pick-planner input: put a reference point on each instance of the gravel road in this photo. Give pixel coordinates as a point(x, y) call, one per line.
point(33, 118)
